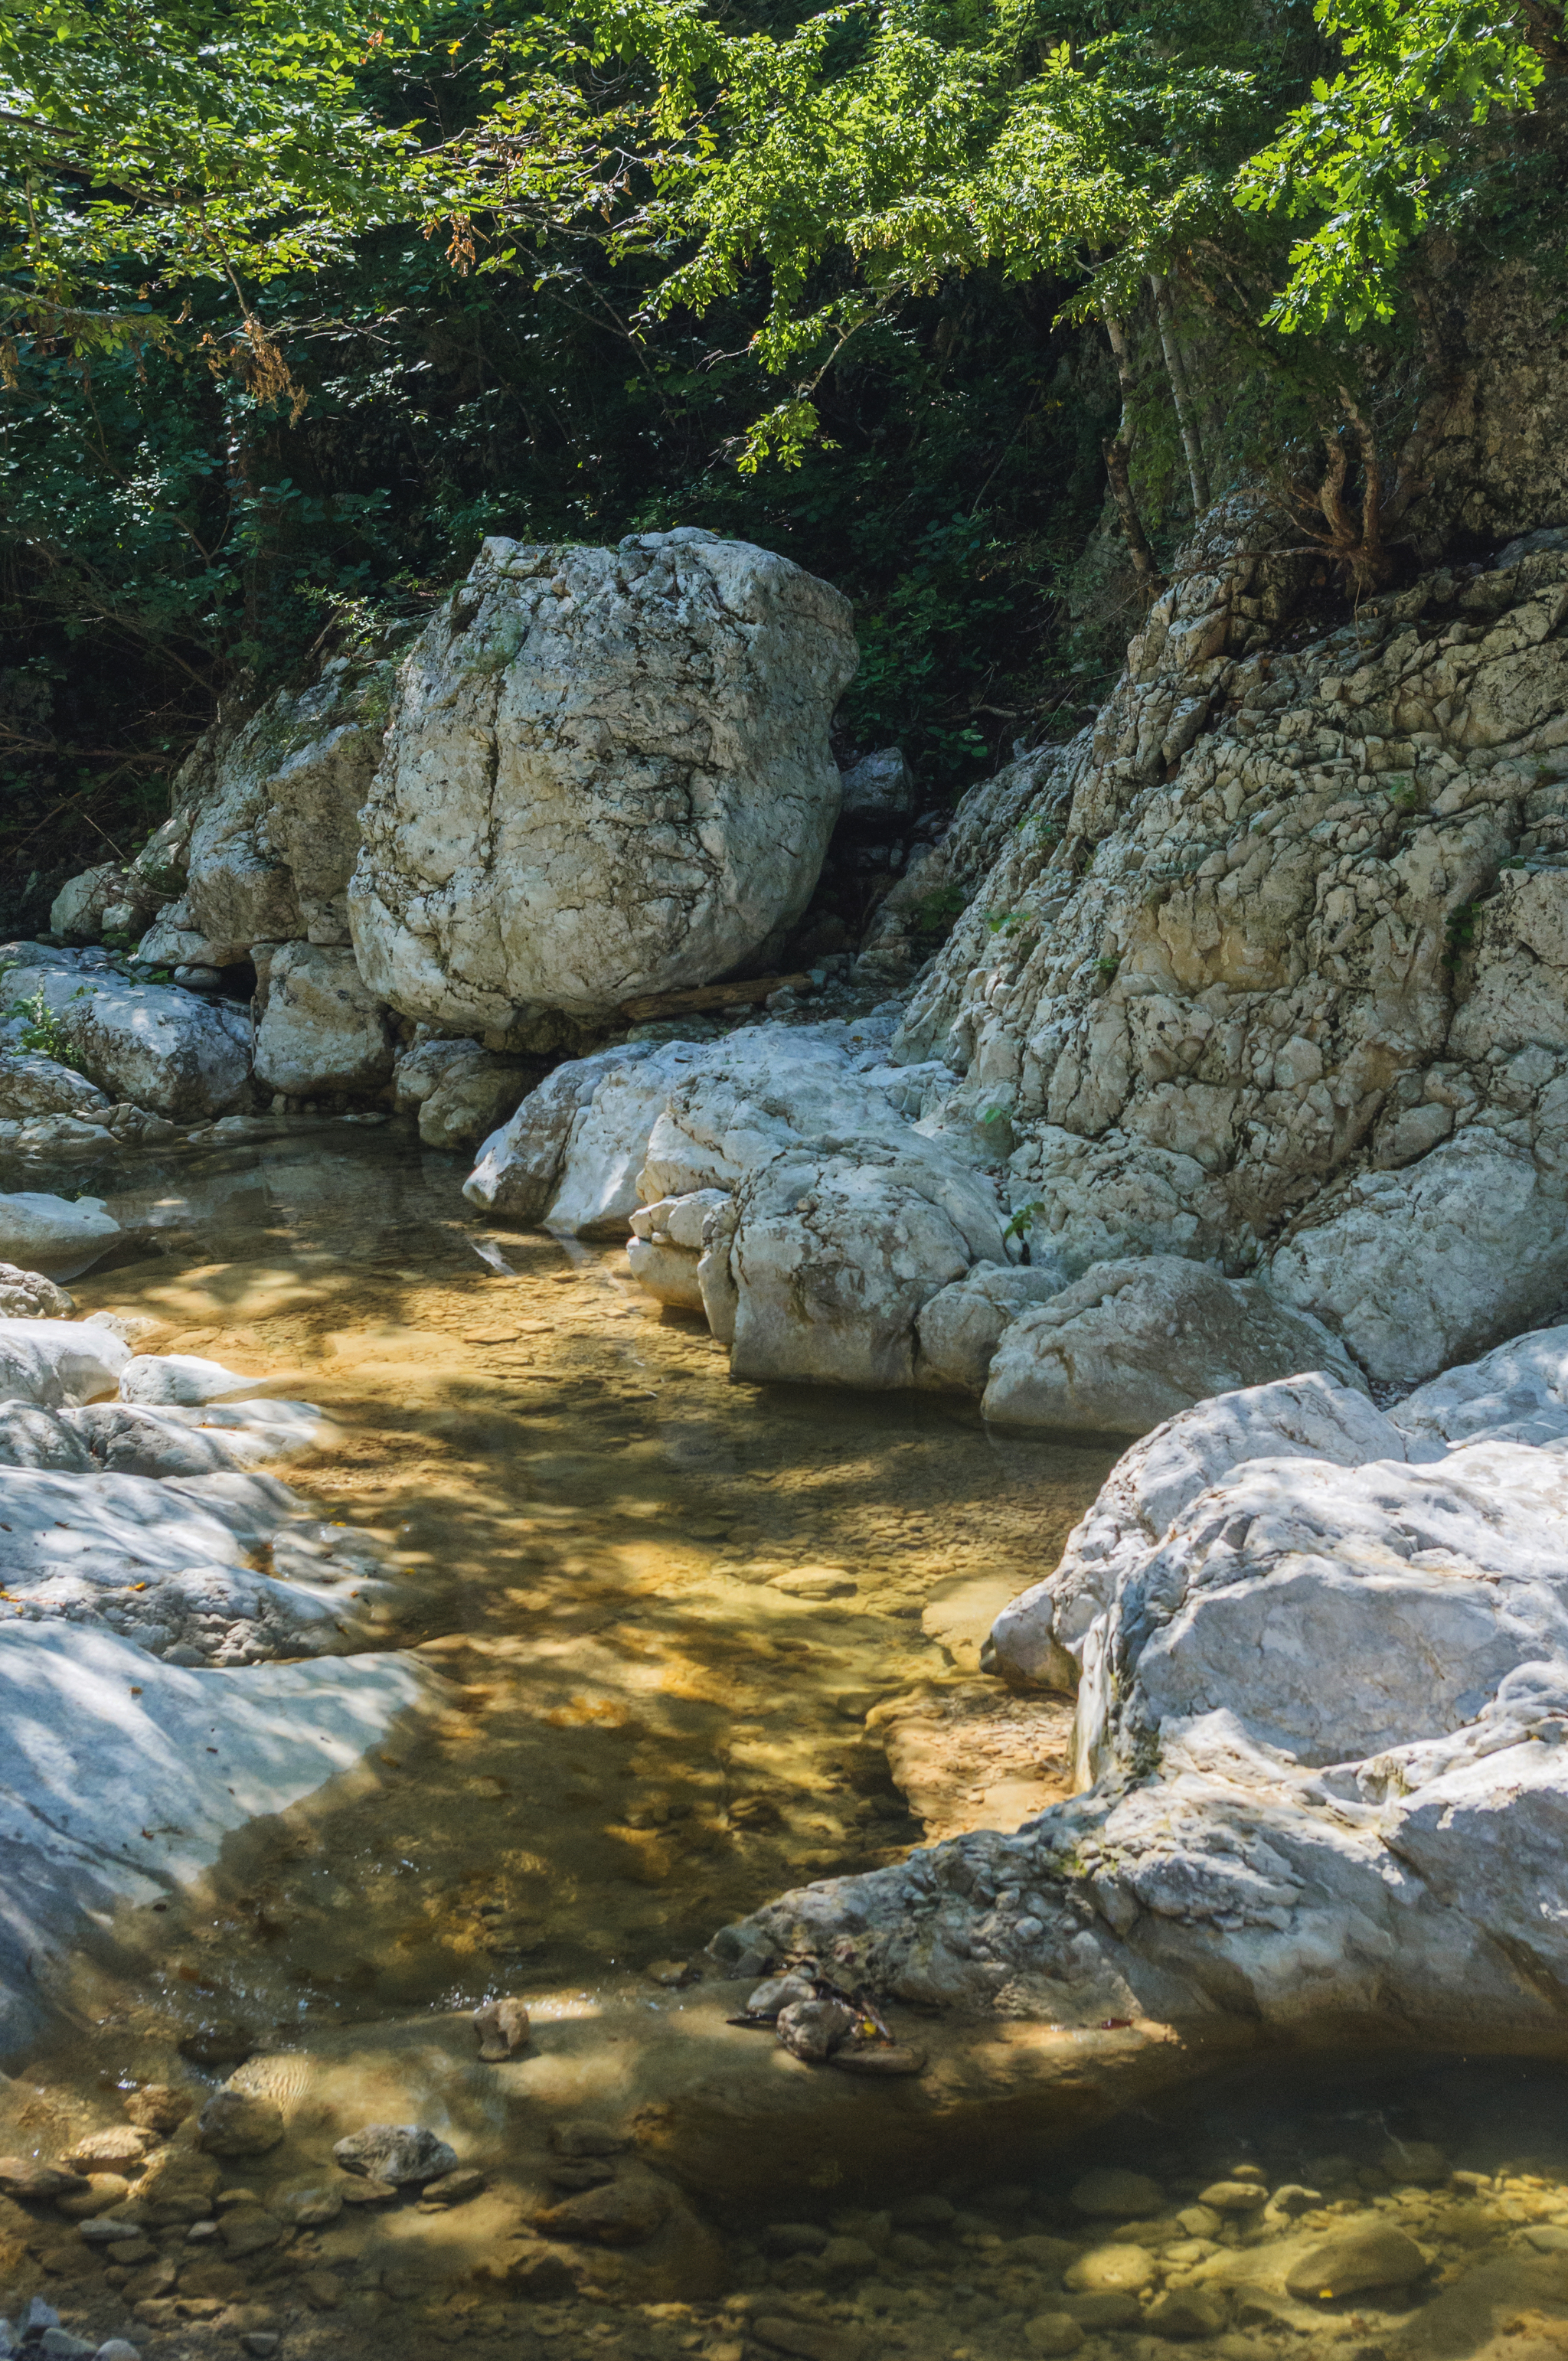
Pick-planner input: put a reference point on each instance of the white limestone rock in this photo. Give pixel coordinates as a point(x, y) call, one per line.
point(1418, 1268)
point(608, 773)
point(166, 1049)
point(1263, 1843)
point(665, 1249)
point(100, 1741)
point(184, 1377)
point(53, 1362)
point(1133, 1342)
point(136, 1439)
point(881, 785)
point(168, 1560)
point(28, 1295)
point(1517, 1394)
point(472, 1096)
point(570, 1157)
point(59, 1235)
point(322, 1030)
point(1283, 981)
point(270, 807)
point(961, 1327)
point(1041, 1637)
point(109, 897)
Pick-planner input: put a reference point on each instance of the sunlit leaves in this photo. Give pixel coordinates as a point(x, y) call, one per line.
point(1369, 152)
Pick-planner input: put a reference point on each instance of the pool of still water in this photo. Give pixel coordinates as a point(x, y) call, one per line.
point(680, 1635)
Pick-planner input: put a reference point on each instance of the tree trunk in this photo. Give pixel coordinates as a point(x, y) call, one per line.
point(1118, 452)
point(1181, 393)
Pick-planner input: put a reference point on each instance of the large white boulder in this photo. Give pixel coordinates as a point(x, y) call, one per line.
point(58, 1235)
point(169, 1050)
point(607, 772)
point(322, 1030)
point(1133, 1342)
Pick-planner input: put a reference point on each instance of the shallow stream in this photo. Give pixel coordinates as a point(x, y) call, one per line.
point(688, 1644)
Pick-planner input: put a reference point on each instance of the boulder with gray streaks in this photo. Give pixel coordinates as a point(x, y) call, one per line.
point(268, 820)
point(608, 773)
point(460, 1091)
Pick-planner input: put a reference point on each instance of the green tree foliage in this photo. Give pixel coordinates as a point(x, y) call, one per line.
point(299, 299)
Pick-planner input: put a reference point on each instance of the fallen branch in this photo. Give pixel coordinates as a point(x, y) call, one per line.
point(707, 995)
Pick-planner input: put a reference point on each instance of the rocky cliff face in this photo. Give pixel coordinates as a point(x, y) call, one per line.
point(1270, 966)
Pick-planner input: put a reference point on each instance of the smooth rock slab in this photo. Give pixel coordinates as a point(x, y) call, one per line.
point(182, 1377)
point(608, 773)
point(1134, 1342)
point(54, 1363)
point(59, 1235)
point(78, 1708)
point(1351, 2260)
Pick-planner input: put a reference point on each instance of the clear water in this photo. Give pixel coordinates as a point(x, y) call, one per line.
point(633, 1736)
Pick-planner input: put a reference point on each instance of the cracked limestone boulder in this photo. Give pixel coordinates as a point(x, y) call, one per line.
point(570, 1158)
point(322, 1030)
point(267, 827)
point(1133, 1342)
point(1041, 1637)
point(608, 773)
point(961, 1326)
point(460, 1092)
point(110, 898)
point(32, 1084)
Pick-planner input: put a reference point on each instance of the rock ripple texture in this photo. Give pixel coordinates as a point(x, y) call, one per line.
point(1321, 1657)
point(608, 773)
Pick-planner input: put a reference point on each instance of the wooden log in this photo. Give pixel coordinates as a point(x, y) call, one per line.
point(707, 995)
